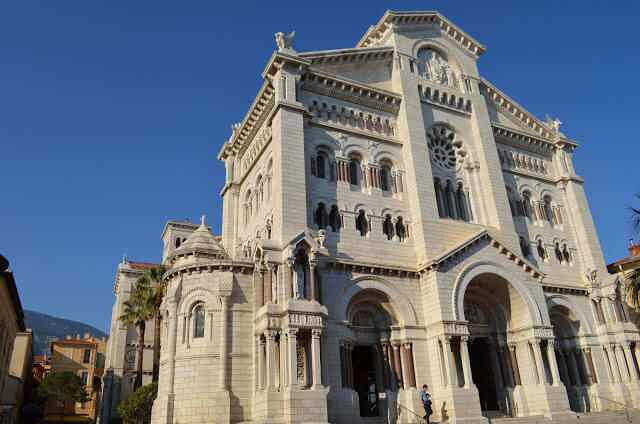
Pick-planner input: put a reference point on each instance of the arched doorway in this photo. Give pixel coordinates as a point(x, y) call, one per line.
point(575, 363)
point(493, 306)
point(374, 354)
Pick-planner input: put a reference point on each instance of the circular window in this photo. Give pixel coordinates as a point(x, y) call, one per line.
point(444, 149)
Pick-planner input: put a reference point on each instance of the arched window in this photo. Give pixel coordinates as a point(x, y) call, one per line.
point(268, 177)
point(198, 319)
point(524, 247)
point(320, 216)
point(387, 227)
point(526, 207)
point(334, 218)
point(462, 202)
point(558, 253)
point(385, 177)
point(353, 172)
point(566, 254)
point(542, 252)
point(450, 200)
point(178, 242)
point(361, 223)
point(320, 165)
point(400, 229)
point(437, 186)
point(547, 209)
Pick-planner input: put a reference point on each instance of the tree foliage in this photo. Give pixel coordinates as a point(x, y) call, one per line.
point(154, 286)
point(63, 386)
point(136, 408)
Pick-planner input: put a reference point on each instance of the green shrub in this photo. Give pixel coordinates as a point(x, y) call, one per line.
point(136, 408)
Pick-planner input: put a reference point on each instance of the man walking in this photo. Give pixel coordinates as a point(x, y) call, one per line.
point(426, 402)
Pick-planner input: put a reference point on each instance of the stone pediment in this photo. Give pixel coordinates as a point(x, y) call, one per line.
point(461, 248)
point(420, 21)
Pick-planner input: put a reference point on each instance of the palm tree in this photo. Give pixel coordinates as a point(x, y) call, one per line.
point(156, 289)
point(633, 277)
point(137, 311)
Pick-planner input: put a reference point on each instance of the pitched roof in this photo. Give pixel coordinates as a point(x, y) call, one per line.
point(142, 265)
point(201, 240)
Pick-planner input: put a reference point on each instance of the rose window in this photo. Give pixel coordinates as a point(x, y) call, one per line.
point(445, 150)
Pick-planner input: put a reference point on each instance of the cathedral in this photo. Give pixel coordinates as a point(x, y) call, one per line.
point(390, 219)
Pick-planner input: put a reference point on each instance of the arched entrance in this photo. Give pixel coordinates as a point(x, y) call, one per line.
point(575, 363)
point(493, 306)
point(373, 355)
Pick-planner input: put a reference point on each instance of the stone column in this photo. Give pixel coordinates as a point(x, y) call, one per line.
point(312, 278)
point(573, 368)
point(507, 375)
point(386, 365)
point(261, 370)
point(379, 368)
point(293, 359)
point(271, 359)
point(343, 371)
point(289, 273)
point(537, 352)
point(514, 365)
point(411, 374)
point(617, 351)
point(446, 346)
point(350, 364)
point(466, 363)
point(171, 346)
point(495, 365)
point(316, 364)
point(260, 300)
point(269, 287)
point(629, 358)
point(222, 367)
point(397, 364)
point(551, 356)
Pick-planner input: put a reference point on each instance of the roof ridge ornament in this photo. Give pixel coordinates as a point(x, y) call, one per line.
point(554, 124)
point(284, 42)
point(202, 219)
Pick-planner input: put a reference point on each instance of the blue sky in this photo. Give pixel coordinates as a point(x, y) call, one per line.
point(112, 114)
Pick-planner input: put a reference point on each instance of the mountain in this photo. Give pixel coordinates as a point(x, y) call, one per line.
point(47, 328)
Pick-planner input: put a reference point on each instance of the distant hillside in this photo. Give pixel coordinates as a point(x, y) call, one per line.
point(47, 328)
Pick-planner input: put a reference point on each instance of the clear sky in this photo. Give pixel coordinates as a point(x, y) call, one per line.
point(112, 114)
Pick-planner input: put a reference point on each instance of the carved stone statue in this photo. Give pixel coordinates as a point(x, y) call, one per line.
point(553, 124)
point(322, 234)
point(284, 43)
point(436, 68)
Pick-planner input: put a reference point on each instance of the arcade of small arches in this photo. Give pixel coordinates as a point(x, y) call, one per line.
point(354, 171)
point(561, 251)
point(537, 212)
point(256, 195)
point(394, 228)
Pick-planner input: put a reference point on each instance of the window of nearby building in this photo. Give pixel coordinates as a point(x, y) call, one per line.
point(85, 377)
point(319, 216)
point(384, 178)
point(320, 165)
point(542, 252)
point(334, 218)
point(400, 229)
point(387, 227)
point(86, 357)
point(524, 246)
point(199, 322)
point(67, 355)
point(353, 172)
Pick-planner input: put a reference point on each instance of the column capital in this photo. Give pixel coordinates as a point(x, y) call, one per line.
point(464, 339)
point(407, 344)
point(292, 331)
point(550, 343)
point(316, 333)
point(395, 344)
point(270, 334)
point(313, 263)
point(290, 261)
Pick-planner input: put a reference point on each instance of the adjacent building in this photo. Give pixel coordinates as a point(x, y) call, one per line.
point(120, 372)
point(85, 358)
point(623, 268)
point(11, 324)
point(391, 219)
point(19, 386)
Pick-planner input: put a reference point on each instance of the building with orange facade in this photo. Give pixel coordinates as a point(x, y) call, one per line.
point(85, 358)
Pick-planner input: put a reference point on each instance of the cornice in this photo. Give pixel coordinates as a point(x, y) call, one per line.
point(370, 268)
point(348, 90)
point(399, 21)
point(209, 267)
point(522, 140)
point(348, 56)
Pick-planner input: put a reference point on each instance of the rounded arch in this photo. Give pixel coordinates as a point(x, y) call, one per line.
point(403, 310)
point(354, 151)
point(196, 296)
point(442, 49)
point(476, 269)
point(361, 206)
point(559, 300)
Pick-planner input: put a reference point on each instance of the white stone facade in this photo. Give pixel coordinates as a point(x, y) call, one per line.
point(391, 219)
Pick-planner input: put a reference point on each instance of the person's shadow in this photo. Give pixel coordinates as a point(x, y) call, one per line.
point(443, 412)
